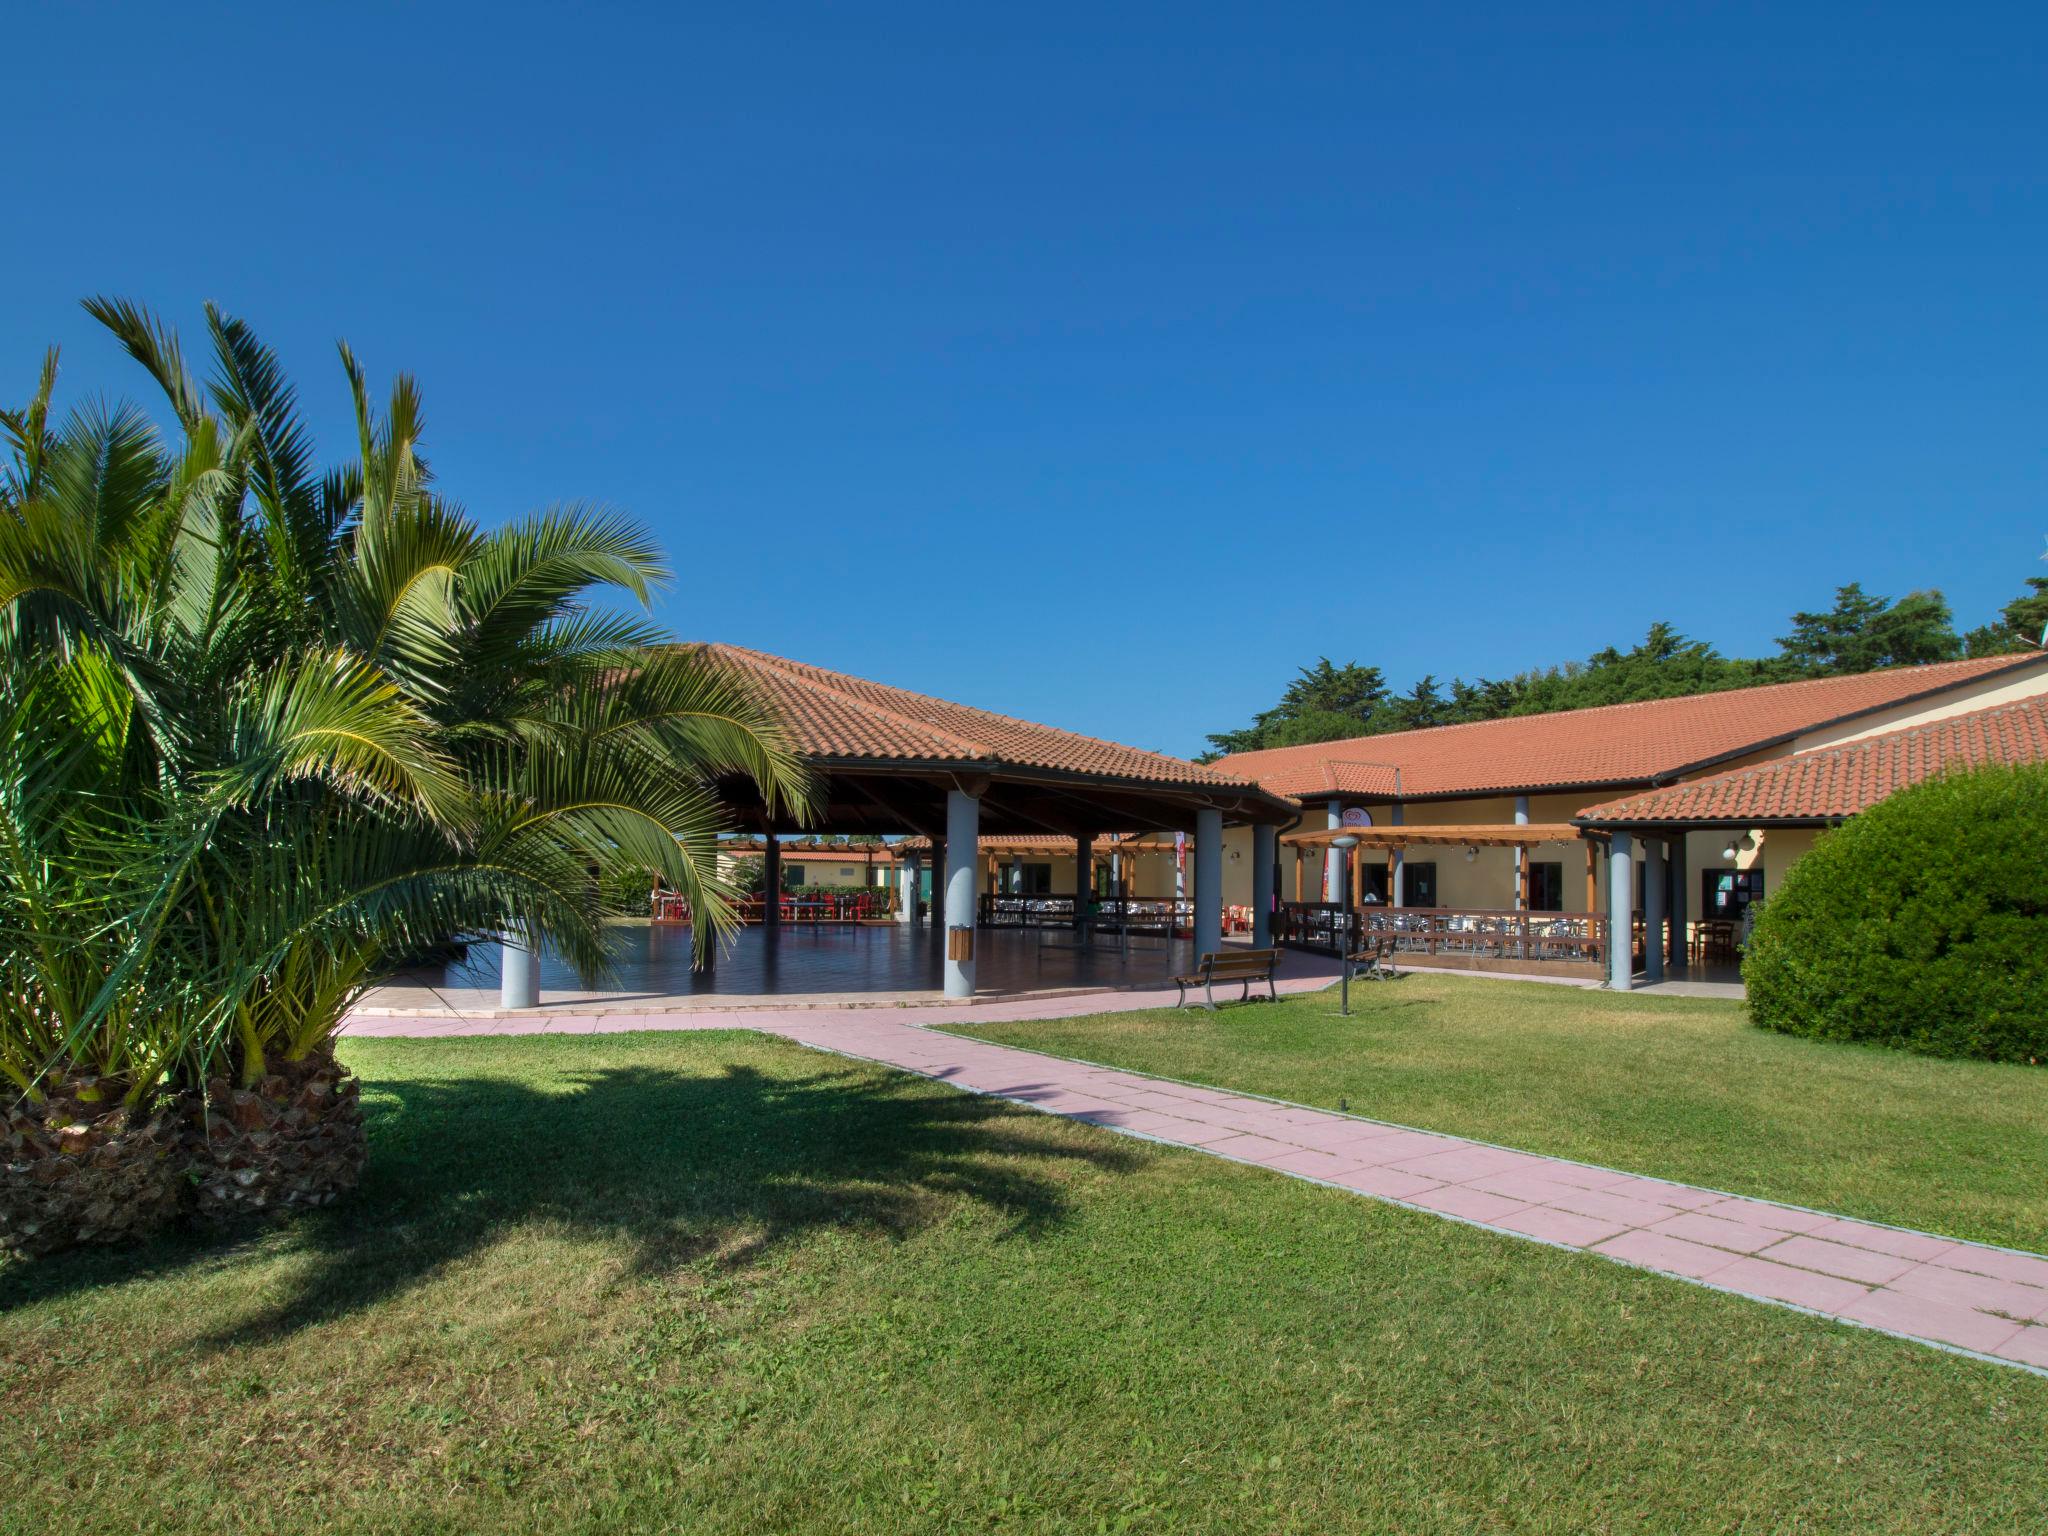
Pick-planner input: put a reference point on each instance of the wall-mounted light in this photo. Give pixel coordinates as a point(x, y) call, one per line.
point(1471, 854)
point(1740, 844)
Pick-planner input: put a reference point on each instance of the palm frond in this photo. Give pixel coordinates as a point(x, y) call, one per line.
point(155, 346)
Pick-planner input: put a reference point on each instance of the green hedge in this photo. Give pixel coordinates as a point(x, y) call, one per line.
point(1921, 925)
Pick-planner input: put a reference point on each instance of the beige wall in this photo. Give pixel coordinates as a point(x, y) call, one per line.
point(2030, 683)
point(836, 872)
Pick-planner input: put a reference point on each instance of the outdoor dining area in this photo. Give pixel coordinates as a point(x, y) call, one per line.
point(1368, 916)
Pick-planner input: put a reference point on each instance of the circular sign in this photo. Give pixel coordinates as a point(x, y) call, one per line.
point(1357, 816)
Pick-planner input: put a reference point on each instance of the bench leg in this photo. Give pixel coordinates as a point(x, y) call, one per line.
point(1182, 1000)
point(1272, 989)
point(1209, 991)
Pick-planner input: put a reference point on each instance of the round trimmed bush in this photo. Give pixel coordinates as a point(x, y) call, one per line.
point(1921, 924)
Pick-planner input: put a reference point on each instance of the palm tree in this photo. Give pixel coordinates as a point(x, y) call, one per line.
point(357, 725)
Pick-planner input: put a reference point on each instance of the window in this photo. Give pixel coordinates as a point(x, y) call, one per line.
point(1546, 887)
point(1725, 892)
point(1034, 879)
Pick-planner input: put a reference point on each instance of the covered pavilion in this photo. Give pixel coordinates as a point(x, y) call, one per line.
point(887, 761)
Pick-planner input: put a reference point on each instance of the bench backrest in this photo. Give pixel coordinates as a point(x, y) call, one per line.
point(1239, 962)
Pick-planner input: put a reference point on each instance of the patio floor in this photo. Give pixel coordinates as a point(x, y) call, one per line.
point(811, 966)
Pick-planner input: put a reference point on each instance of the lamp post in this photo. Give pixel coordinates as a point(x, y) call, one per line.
point(1345, 842)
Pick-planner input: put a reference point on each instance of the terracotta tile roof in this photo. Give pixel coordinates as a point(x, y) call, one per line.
point(1612, 744)
point(1002, 843)
point(837, 718)
point(1840, 781)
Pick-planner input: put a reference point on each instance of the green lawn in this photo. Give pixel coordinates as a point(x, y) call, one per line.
point(1683, 1088)
point(716, 1283)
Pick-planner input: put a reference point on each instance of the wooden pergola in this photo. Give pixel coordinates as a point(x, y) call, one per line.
point(1519, 835)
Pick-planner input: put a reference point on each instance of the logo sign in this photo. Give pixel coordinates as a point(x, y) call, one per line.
point(1357, 816)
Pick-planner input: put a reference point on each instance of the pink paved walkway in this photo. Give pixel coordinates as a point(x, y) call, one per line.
point(1979, 1300)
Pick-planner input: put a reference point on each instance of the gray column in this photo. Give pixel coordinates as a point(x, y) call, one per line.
point(1675, 952)
point(1398, 896)
point(771, 887)
point(906, 890)
point(963, 844)
point(1621, 906)
point(1084, 879)
point(1265, 870)
point(1653, 910)
point(1208, 882)
point(1521, 850)
point(1333, 860)
point(518, 973)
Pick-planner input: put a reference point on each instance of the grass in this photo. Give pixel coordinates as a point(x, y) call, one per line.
point(1683, 1088)
point(717, 1283)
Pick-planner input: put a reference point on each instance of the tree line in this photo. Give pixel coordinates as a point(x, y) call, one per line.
point(1862, 632)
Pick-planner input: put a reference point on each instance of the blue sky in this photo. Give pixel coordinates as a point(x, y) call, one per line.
point(1104, 364)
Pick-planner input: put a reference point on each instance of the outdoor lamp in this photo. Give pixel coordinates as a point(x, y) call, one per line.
point(1471, 854)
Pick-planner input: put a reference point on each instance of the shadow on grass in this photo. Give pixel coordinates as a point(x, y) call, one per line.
point(677, 1168)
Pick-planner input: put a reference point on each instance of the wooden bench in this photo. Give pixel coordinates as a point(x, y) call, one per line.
point(1241, 965)
point(1374, 957)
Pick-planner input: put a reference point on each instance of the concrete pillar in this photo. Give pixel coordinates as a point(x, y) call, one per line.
point(1621, 906)
point(1333, 860)
point(1398, 895)
point(1265, 870)
point(771, 887)
point(1653, 910)
point(963, 842)
point(1208, 882)
point(1084, 880)
point(518, 973)
point(1680, 877)
point(906, 890)
point(1521, 853)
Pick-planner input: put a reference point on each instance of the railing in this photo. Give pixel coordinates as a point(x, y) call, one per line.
point(1323, 926)
point(1466, 933)
point(1026, 911)
point(1490, 935)
point(1167, 916)
point(1106, 914)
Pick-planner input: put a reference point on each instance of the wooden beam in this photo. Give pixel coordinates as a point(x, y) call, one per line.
point(1448, 834)
point(1592, 879)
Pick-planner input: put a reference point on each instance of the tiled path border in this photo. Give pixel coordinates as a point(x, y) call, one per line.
point(1967, 1297)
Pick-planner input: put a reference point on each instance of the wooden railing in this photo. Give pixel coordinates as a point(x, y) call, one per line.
point(1491, 935)
point(1471, 933)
